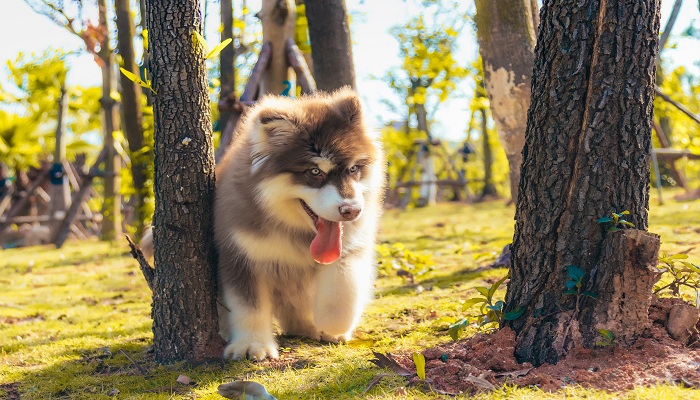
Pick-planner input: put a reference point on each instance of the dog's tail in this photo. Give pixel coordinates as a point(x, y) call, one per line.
point(146, 243)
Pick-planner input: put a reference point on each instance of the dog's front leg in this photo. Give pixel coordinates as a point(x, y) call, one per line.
point(249, 316)
point(342, 291)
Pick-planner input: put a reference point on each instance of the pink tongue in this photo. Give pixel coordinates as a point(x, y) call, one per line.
point(326, 246)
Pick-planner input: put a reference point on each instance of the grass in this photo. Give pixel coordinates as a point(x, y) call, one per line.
point(70, 317)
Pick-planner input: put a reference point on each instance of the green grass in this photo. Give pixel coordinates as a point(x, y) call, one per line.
point(69, 317)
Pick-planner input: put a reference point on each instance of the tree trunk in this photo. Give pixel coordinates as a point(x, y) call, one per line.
point(60, 191)
point(506, 36)
point(587, 153)
point(185, 323)
point(227, 75)
point(111, 206)
point(277, 17)
point(131, 111)
point(489, 190)
point(331, 47)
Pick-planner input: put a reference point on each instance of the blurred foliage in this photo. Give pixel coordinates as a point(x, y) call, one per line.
point(30, 110)
point(683, 87)
point(429, 72)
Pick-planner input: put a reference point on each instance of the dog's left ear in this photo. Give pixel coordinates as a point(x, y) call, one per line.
point(348, 105)
point(276, 123)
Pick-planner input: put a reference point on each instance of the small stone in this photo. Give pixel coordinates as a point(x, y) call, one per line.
point(113, 392)
point(681, 322)
point(184, 380)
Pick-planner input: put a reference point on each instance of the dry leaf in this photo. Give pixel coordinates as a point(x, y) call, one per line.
point(387, 361)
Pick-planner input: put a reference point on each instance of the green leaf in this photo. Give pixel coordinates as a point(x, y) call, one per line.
point(495, 286)
point(591, 295)
point(483, 291)
point(575, 273)
point(571, 284)
point(419, 360)
point(626, 212)
point(607, 335)
point(470, 302)
point(130, 76)
point(678, 257)
point(570, 292)
point(216, 50)
point(604, 220)
point(455, 330)
point(691, 266)
point(514, 314)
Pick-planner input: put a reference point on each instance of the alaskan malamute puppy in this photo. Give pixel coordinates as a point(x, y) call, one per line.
point(297, 204)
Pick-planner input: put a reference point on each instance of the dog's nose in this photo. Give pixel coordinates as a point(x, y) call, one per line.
point(349, 212)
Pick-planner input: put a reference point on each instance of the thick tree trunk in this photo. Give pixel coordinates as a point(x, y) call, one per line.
point(185, 321)
point(131, 111)
point(587, 153)
point(506, 35)
point(331, 47)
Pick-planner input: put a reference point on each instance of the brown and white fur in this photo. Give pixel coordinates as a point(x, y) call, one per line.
point(299, 171)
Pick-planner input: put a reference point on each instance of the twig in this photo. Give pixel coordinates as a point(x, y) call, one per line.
point(138, 366)
point(146, 269)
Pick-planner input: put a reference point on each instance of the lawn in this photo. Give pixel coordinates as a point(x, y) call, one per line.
point(75, 322)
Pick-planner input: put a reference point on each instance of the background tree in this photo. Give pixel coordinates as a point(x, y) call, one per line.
point(185, 322)
point(506, 31)
point(587, 153)
point(429, 72)
point(132, 116)
point(331, 45)
point(73, 16)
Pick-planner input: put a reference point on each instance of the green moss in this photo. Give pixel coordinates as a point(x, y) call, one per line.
point(67, 317)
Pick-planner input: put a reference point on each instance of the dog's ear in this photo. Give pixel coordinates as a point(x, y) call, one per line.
point(348, 105)
point(275, 123)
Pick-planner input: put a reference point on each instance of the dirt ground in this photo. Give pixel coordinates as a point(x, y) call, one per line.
point(486, 361)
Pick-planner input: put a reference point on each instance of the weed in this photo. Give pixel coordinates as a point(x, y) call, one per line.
point(616, 222)
point(608, 338)
point(683, 274)
point(406, 263)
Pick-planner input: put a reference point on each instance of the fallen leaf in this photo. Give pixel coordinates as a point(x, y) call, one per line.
point(514, 374)
point(184, 379)
point(245, 390)
point(374, 382)
point(388, 361)
point(480, 382)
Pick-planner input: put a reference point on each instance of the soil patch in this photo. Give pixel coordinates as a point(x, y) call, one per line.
point(485, 361)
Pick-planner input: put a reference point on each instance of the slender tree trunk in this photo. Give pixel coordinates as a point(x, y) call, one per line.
point(131, 111)
point(111, 206)
point(184, 314)
point(60, 191)
point(331, 46)
point(227, 75)
point(507, 34)
point(587, 153)
point(489, 188)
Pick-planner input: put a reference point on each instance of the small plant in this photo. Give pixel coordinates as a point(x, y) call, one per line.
point(683, 274)
point(208, 51)
point(574, 285)
point(608, 338)
point(616, 222)
point(490, 312)
point(406, 264)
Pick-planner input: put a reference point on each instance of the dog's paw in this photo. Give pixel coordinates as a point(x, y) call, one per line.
point(335, 338)
point(255, 350)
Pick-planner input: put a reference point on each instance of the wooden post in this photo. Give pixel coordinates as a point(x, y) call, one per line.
point(60, 191)
point(277, 17)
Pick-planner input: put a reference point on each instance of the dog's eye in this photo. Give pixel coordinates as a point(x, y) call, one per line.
point(354, 169)
point(315, 171)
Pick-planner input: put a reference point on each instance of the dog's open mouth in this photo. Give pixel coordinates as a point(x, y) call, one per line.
point(327, 244)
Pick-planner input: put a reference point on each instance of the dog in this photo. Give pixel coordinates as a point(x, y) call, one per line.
point(298, 198)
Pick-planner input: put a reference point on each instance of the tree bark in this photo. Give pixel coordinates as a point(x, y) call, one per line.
point(507, 35)
point(111, 206)
point(587, 153)
point(131, 111)
point(331, 46)
point(60, 191)
point(185, 323)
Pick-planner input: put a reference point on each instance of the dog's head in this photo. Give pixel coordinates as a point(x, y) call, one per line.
point(314, 162)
